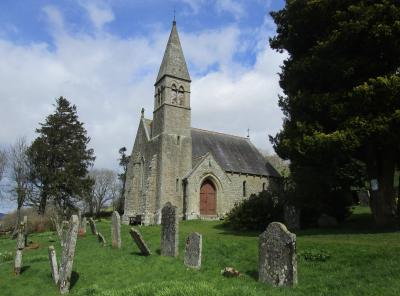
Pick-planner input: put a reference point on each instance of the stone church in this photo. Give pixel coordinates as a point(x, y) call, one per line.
point(204, 173)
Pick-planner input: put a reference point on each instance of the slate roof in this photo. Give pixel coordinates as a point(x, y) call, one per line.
point(173, 63)
point(233, 153)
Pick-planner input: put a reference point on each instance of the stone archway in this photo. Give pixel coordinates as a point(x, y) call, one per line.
point(208, 198)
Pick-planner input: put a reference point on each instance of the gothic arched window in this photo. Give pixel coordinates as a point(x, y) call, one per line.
point(174, 94)
point(181, 95)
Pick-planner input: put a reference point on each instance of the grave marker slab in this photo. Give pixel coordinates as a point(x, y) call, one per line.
point(93, 226)
point(169, 230)
point(53, 264)
point(193, 248)
point(137, 237)
point(116, 230)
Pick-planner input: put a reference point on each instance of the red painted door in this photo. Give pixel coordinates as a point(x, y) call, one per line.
point(207, 199)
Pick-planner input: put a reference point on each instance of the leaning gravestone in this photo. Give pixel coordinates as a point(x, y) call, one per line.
point(68, 253)
point(137, 237)
point(26, 230)
point(92, 226)
point(277, 256)
point(20, 246)
point(53, 264)
point(169, 230)
point(116, 230)
point(193, 250)
point(101, 239)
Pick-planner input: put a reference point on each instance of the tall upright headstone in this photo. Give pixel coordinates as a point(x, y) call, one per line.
point(53, 264)
point(68, 254)
point(20, 246)
point(277, 256)
point(93, 226)
point(169, 230)
point(116, 230)
point(26, 230)
point(193, 246)
point(83, 226)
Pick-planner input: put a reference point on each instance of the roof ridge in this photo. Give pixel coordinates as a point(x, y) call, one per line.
point(219, 133)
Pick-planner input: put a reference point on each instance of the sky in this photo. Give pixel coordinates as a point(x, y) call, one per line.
point(104, 56)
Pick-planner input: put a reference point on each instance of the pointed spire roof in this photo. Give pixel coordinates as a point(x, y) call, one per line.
point(173, 63)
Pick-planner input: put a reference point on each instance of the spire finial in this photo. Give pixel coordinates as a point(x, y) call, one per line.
point(174, 22)
point(142, 113)
point(248, 133)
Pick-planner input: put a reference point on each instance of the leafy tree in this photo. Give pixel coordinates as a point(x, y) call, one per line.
point(60, 158)
point(341, 98)
point(3, 162)
point(123, 162)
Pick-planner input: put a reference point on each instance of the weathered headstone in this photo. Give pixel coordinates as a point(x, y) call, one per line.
point(193, 248)
point(169, 230)
point(53, 264)
point(137, 237)
point(101, 239)
point(92, 226)
point(291, 216)
point(26, 230)
point(68, 253)
point(82, 229)
point(116, 230)
point(20, 246)
point(277, 256)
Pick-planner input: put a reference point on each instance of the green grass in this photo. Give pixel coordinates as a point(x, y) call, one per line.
point(353, 259)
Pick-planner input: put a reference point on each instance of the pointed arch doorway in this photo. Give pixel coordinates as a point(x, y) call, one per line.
point(208, 199)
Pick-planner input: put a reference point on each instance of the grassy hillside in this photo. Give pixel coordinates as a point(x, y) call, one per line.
point(358, 261)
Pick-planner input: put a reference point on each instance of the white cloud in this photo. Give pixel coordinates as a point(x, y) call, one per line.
point(231, 6)
point(194, 5)
point(110, 79)
point(99, 13)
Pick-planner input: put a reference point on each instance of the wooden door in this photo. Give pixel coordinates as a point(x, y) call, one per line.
point(208, 199)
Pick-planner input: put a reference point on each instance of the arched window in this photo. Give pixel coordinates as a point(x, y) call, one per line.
point(264, 186)
point(174, 94)
point(181, 96)
point(244, 188)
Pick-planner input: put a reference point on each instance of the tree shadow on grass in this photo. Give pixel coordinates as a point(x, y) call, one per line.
point(138, 254)
point(229, 231)
point(253, 274)
point(24, 268)
point(158, 251)
point(74, 279)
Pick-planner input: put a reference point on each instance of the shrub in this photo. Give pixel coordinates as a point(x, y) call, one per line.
point(256, 212)
point(36, 222)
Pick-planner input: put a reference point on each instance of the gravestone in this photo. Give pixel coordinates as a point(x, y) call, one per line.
point(137, 237)
point(291, 216)
point(53, 264)
point(20, 246)
point(101, 239)
point(26, 231)
point(83, 226)
point(116, 230)
point(92, 226)
point(193, 248)
point(169, 230)
point(68, 254)
point(277, 256)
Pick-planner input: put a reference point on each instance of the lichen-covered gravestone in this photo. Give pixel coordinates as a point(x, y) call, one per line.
point(68, 254)
point(137, 237)
point(83, 226)
point(116, 230)
point(193, 248)
point(20, 246)
point(53, 264)
point(92, 226)
point(169, 230)
point(277, 256)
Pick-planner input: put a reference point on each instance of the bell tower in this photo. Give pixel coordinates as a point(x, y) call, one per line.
point(171, 126)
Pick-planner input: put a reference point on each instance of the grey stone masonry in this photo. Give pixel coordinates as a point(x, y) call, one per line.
point(116, 230)
point(18, 262)
point(26, 231)
point(68, 254)
point(277, 256)
point(137, 237)
point(193, 246)
point(93, 226)
point(169, 230)
point(101, 239)
point(53, 264)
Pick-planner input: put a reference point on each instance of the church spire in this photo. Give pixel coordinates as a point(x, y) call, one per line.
point(173, 63)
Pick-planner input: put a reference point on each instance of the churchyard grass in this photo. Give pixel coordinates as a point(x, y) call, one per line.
point(353, 259)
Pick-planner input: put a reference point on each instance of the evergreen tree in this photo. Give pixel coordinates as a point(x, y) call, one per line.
point(60, 158)
point(341, 98)
point(123, 162)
